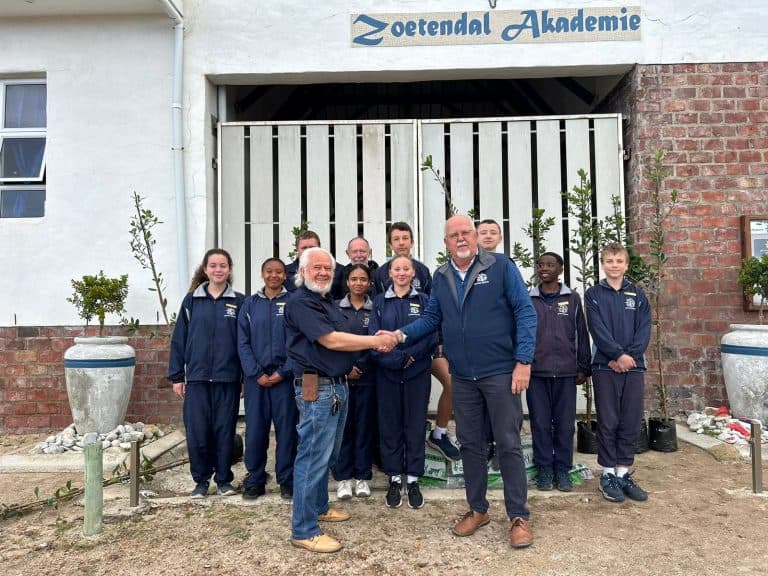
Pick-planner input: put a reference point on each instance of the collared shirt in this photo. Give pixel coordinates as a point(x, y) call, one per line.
point(308, 317)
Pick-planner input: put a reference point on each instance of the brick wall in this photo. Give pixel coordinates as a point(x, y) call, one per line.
point(712, 122)
point(33, 393)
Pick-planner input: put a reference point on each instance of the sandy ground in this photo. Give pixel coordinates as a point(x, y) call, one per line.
point(701, 519)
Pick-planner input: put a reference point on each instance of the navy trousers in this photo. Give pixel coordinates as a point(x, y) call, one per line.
point(402, 423)
point(552, 411)
point(355, 458)
point(210, 417)
point(505, 410)
point(263, 406)
point(619, 405)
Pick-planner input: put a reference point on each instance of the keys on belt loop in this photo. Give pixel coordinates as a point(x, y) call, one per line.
point(335, 404)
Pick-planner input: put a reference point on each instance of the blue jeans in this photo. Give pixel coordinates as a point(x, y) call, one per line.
point(320, 435)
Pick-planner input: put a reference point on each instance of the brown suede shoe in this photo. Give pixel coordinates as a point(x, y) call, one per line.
point(321, 543)
point(470, 522)
point(520, 535)
point(334, 515)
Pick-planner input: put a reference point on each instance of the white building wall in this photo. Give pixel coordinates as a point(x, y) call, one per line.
point(109, 133)
point(109, 90)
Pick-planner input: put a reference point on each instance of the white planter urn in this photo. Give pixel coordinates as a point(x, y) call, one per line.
point(99, 374)
point(744, 353)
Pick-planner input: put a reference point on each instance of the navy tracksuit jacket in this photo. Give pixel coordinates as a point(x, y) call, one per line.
point(204, 354)
point(402, 393)
point(261, 340)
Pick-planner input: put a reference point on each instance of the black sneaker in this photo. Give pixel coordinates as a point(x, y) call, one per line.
point(200, 491)
point(610, 486)
point(415, 499)
point(563, 481)
point(286, 492)
point(226, 489)
point(445, 447)
point(544, 479)
point(631, 489)
point(253, 492)
point(394, 494)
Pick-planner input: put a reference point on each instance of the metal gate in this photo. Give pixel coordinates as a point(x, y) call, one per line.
point(356, 177)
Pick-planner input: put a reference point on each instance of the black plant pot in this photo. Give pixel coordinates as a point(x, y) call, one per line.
point(237, 449)
point(586, 437)
point(662, 434)
point(642, 443)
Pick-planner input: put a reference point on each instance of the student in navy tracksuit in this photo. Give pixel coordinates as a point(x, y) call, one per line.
point(619, 319)
point(402, 385)
point(355, 459)
point(561, 362)
point(205, 371)
point(268, 384)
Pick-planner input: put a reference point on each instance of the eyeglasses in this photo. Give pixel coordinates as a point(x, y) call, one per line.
point(464, 234)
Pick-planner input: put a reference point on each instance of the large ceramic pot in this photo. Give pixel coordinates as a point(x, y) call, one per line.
point(99, 374)
point(744, 353)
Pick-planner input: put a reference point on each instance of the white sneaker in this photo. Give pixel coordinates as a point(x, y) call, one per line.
point(362, 490)
point(344, 490)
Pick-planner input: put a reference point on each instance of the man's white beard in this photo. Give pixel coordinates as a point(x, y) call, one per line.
point(322, 290)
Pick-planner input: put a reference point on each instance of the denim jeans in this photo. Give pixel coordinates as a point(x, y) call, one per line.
point(320, 435)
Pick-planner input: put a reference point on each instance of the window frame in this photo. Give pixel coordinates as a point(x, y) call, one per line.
point(25, 183)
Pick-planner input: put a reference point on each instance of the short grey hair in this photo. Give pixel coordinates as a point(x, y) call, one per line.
point(304, 260)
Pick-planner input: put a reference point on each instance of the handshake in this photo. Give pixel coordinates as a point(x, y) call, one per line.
point(385, 341)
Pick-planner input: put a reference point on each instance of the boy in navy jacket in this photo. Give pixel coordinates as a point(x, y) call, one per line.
point(619, 319)
point(561, 363)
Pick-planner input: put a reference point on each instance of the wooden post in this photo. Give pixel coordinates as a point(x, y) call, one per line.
point(135, 478)
point(94, 489)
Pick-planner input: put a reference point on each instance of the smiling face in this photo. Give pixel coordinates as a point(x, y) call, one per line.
point(401, 271)
point(549, 269)
point(460, 239)
point(489, 235)
point(273, 274)
point(615, 264)
point(217, 269)
point(358, 282)
point(318, 272)
point(358, 251)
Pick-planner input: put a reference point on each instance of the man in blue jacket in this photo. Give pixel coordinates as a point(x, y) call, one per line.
point(480, 302)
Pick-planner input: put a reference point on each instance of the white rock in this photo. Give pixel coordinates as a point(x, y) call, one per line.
point(76, 449)
point(105, 444)
point(125, 445)
point(111, 436)
point(55, 449)
point(115, 443)
point(68, 441)
point(51, 440)
point(120, 429)
point(160, 433)
point(128, 428)
point(139, 426)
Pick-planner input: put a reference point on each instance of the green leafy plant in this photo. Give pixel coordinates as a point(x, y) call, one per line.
point(98, 296)
point(143, 244)
point(753, 279)
point(427, 165)
point(662, 203)
point(537, 231)
point(296, 231)
point(613, 228)
point(585, 241)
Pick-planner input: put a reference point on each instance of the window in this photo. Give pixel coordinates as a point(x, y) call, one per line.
point(23, 125)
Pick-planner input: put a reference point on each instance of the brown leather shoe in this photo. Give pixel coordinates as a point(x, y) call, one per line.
point(321, 543)
point(334, 515)
point(470, 522)
point(520, 536)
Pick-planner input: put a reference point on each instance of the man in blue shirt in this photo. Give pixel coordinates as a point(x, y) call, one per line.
point(481, 304)
point(321, 353)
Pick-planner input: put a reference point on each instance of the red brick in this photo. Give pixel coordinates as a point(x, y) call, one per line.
point(734, 117)
point(723, 131)
point(758, 117)
point(712, 118)
point(712, 144)
point(749, 105)
point(737, 144)
point(687, 118)
point(750, 156)
point(710, 92)
point(723, 105)
point(700, 105)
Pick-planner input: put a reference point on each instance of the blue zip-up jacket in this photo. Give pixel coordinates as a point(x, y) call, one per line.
point(261, 336)
point(562, 342)
point(357, 323)
point(204, 342)
point(494, 324)
point(391, 312)
point(422, 282)
point(619, 321)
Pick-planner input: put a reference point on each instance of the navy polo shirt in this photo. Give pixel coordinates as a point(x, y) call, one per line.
point(308, 316)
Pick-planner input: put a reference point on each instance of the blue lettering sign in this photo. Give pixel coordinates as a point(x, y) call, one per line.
point(531, 22)
point(377, 26)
